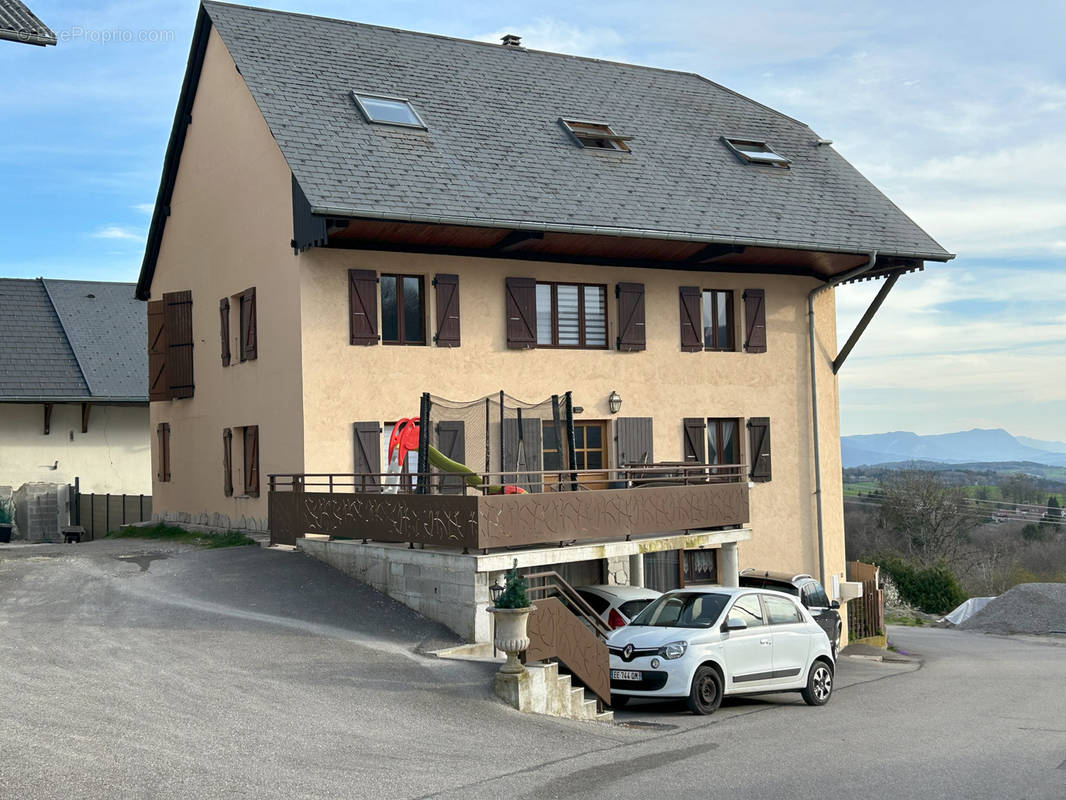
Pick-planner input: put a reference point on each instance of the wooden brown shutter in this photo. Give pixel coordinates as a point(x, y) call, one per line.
point(227, 461)
point(367, 456)
point(754, 321)
point(691, 327)
point(251, 460)
point(696, 440)
point(523, 451)
point(630, 316)
point(363, 306)
point(634, 440)
point(179, 342)
point(521, 313)
point(163, 441)
point(759, 448)
point(223, 320)
point(447, 334)
point(249, 335)
point(451, 442)
point(158, 380)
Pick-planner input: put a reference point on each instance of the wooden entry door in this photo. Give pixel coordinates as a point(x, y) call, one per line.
point(590, 452)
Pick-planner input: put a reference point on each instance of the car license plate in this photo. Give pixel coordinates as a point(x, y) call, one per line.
point(624, 675)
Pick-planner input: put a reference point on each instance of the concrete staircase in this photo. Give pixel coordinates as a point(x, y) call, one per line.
point(548, 692)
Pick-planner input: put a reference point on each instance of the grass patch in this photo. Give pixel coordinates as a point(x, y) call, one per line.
point(172, 533)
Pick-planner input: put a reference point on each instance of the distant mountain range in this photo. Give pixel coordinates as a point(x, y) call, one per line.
point(977, 445)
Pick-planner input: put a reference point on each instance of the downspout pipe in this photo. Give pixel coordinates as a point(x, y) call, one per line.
point(847, 276)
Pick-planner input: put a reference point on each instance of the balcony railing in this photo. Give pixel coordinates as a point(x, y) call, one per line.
point(556, 507)
point(565, 627)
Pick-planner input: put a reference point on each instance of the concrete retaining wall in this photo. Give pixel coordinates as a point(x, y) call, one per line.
point(213, 522)
point(453, 589)
point(442, 586)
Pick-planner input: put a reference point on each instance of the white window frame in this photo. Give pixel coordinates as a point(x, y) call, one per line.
point(358, 96)
point(774, 158)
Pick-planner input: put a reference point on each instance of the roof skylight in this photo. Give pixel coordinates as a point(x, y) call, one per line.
point(596, 135)
point(386, 110)
point(756, 152)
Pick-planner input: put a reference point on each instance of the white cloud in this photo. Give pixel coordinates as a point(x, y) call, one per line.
point(144, 208)
point(1008, 201)
point(940, 284)
point(957, 347)
point(117, 232)
point(1020, 391)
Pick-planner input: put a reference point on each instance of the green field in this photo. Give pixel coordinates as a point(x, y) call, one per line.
point(860, 487)
point(984, 492)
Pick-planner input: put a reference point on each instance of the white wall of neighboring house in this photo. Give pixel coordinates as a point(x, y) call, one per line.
point(113, 457)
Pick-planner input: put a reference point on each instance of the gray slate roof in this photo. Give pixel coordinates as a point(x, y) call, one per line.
point(19, 24)
point(108, 331)
point(58, 343)
point(494, 152)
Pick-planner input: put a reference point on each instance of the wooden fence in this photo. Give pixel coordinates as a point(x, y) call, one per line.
point(101, 513)
point(866, 614)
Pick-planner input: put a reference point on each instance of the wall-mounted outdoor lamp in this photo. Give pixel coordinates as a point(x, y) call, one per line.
point(496, 590)
point(614, 402)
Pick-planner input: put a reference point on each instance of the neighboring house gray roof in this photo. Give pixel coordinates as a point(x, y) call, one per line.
point(36, 359)
point(108, 330)
point(19, 24)
point(495, 153)
point(72, 340)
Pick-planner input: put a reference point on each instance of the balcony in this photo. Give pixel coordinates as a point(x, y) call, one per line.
point(556, 508)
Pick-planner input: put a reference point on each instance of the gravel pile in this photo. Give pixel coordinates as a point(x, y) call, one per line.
point(1038, 608)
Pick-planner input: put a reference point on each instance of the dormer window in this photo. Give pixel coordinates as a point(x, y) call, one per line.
point(384, 110)
point(753, 152)
point(596, 135)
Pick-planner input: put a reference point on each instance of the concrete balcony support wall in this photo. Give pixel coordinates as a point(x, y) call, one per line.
point(636, 569)
point(729, 565)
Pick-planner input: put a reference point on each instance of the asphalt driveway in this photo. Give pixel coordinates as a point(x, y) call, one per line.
point(140, 670)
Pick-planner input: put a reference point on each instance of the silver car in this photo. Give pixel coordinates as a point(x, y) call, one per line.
point(617, 605)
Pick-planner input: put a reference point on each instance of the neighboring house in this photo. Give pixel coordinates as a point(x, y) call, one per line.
point(351, 216)
point(73, 378)
point(19, 24)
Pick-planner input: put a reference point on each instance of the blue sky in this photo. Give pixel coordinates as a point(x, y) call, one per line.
point(956, 110)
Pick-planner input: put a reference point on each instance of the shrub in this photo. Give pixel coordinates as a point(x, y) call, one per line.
point(1033, 532)
point(933, 589)
point(514, 595)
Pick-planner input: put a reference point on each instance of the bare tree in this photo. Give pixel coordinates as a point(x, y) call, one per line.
point(864, 536)
point(992, 561)
point(1020, 488)
point(933, 520)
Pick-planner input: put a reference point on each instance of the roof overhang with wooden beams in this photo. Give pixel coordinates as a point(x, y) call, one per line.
point(643, 249)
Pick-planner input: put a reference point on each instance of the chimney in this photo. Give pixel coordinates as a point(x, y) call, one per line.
point(510, 40)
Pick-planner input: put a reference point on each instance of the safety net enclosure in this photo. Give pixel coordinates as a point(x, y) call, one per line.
point(497, 444)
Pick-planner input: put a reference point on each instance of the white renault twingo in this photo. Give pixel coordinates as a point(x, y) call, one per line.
point(705, 644)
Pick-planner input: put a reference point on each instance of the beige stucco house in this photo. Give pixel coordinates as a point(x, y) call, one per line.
point(352, 218)
point(73, 404)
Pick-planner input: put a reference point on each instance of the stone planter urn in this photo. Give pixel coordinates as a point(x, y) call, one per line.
point(511, 635)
